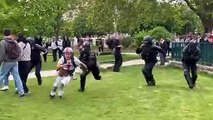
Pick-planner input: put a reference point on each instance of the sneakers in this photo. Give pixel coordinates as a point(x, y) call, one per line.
point(27, 93)
point(150, 83)
point(40, 83)
point(81, 90)
point(60, 93)
point(21, 96)
point(5, 88)
point(16, 91)
point(191, 86)
point(52, 95)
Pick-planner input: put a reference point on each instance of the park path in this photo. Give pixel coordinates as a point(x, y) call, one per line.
point(52, 73)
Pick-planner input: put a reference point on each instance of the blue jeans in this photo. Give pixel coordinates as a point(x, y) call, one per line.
point(6, 80)
point(11, 67)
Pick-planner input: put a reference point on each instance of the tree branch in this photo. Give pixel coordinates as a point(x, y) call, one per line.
point(191, 6)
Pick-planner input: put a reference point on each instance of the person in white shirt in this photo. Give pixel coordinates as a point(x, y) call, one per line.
point(66, 66)
point(54, 47)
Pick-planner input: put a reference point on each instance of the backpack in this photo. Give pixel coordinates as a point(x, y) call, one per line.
point(13, 50)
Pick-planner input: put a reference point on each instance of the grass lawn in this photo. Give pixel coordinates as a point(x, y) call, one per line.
point(119, 96)
point(49, 65)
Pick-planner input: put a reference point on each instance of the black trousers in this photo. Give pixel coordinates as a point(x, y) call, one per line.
point(95, 72)
point(45, 57)
point(37, 65)
point(190, 68)
point(101, 49)
point(54, 55)
point(147, 72)
point(24, 68)
point(118, 62)
point(60, 53)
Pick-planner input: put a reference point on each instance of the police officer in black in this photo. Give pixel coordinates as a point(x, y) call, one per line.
point(117, 55)
point(149, 52)
point(191, 55)
point(89, 59)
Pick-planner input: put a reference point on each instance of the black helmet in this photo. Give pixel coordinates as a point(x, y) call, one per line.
point(148, 40)
point(86, 46)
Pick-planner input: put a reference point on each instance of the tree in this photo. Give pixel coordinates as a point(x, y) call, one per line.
point(9, 16)
point(45, 17)
point(204, 9)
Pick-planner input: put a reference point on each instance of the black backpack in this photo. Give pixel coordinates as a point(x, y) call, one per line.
point(13, 50)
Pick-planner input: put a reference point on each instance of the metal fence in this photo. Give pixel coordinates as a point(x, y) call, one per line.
point(206, 52)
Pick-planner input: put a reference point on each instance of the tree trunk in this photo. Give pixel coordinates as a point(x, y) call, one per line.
point(207, 22)
point(58, 27)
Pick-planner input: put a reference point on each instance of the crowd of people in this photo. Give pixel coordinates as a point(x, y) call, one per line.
point(207, 37)
point(18, 56)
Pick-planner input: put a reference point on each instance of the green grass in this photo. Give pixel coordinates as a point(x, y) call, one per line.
point(119, 96)
point(110, 58)
point(49, 65)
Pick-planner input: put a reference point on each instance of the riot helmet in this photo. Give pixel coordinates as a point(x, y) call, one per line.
point(192, 46)
point(86, 46)
point(148, 40)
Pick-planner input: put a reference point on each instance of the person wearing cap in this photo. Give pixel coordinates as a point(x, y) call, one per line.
point(149, 52)
point(66, 66)
point(190, 56)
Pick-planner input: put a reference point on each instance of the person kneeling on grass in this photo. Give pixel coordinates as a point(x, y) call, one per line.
point(66, 66)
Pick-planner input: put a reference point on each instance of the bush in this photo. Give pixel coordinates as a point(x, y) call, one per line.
point(138, 37)
point(126, 42)
point(160, 32)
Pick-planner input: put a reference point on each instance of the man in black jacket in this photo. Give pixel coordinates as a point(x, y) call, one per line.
point(149, 52)
point(66, 42)
point(89, 59)
point(36, 49)
point(191, 55)
point(117, 55)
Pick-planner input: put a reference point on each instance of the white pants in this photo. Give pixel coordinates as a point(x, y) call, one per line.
point(62, 80)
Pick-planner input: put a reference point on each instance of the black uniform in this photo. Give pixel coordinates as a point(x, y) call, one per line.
point(36, 49)
point(191, 55)
point(118, 56)
point(89, 59)
point(149, 53)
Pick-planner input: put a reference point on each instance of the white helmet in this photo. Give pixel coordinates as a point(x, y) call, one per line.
point(68, 50)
